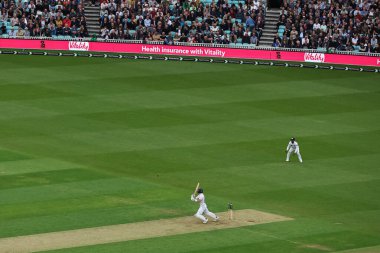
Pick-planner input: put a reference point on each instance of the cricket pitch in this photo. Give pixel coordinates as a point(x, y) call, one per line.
point(133, 231)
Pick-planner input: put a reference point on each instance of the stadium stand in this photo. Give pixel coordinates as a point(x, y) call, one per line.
point(205, 21)
point(321, 25)
point(46, 18)
point(344, 25)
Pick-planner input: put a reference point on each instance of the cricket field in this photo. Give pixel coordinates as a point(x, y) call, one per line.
point(92, 144)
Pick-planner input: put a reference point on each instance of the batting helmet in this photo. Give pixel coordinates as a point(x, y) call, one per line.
point(200, 190)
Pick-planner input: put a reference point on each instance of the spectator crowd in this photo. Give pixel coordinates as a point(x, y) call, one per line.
point(191, 21)
point(345, 25)
point(47, 18)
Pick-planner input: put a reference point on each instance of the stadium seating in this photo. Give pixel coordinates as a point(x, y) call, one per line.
point(314, 27)
point(42, 25)
point(347, 26)
point(193, 26)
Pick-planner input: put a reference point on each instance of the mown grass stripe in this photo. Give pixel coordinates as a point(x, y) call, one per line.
point(71, 190)
point(34, 166)
point(48, 178)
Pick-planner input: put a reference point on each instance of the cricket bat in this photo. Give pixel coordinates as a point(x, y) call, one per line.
point(196, 189)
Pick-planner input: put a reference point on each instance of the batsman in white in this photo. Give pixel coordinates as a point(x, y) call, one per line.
point(293, 148)
point(200, 198)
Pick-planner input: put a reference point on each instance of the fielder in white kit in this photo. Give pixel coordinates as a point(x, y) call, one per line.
point(200, 198)
point(293, 148)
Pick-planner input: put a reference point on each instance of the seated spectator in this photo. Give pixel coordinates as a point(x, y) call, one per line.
point(239, 33)
point(66, 21)
point(374, 41)
point(156, 36)
point(26, 33)
point(277, 43)
point(355, 40)
point(66, 31)
point(3, 29)
point(168, 40)
point(59, 25)
point(285, 42)
point(83, 32)
point(37, 31)
point(183, 38)
point(233, 36)
point(214, 28)
point(376, 48)
point(298, 44)
point(293, 34)
point(51, 27)
point(246, 37)
point(363, 47)
point(250, 23)
point(14, 20)
point(112, 34)
point(316, 25)
point(46, 32)
point(254, 40)
point(20, 32)
point(12, 32)
point(306, 42)
point(323, 27)
point(74, 31)
point(162, 36)
point(3, 15)
point(104, 32)
point(368, 48)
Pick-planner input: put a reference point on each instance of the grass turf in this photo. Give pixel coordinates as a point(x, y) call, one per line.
point(92, 142)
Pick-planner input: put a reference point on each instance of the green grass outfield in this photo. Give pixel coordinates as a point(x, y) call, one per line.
point(87, 142)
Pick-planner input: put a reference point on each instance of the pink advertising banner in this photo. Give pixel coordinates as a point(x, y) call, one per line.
point(191, 51)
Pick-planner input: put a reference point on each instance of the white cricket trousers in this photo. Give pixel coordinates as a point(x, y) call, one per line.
point(204, 210)
point(291, 151)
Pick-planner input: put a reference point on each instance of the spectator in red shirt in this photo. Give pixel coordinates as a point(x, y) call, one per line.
point(67, 21)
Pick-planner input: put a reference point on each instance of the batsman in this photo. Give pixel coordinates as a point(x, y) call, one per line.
point(200, 198)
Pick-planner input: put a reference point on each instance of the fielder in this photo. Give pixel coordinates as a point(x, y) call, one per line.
point(293, 148)
point(200, 198)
